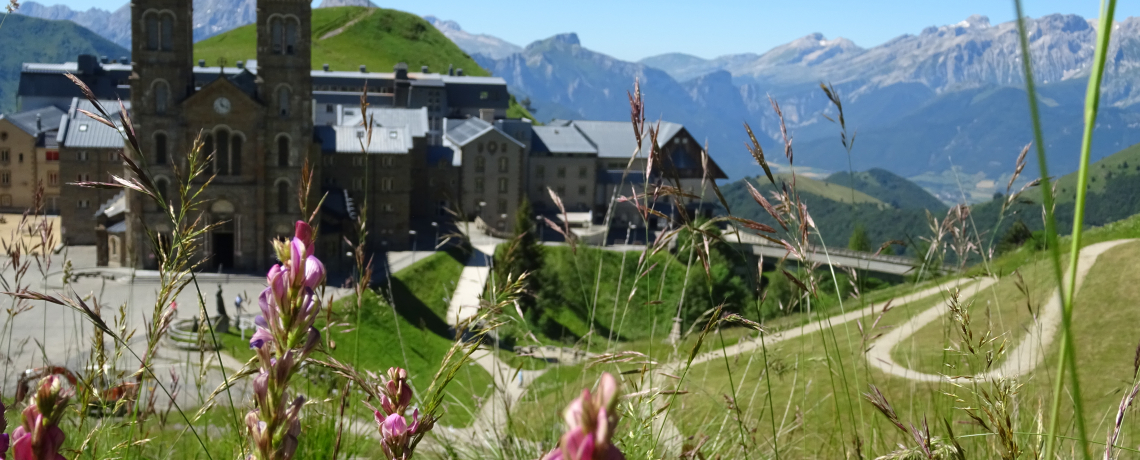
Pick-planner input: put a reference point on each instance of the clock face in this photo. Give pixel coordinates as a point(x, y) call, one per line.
point(222, 105)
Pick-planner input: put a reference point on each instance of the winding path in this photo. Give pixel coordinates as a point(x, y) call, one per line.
point(1026, 356)
point(672, 438)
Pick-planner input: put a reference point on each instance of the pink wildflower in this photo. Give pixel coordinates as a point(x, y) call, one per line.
point(39, 438)
point(591, 420)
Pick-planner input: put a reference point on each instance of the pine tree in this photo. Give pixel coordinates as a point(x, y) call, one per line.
point(523, 254)
point(859, 240)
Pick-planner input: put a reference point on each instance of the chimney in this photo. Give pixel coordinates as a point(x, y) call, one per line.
point(201, 63)
point(87, 64)
point(451, 69)
point(104, 59)
point(401, 70)
point(459, 72)
point(124, 60)
point(326, 66)
point(39, 123)
point(240, 64)
point(424, 69)
point(487, 115)
point(363, 68)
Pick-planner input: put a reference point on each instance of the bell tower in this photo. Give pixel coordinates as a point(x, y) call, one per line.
point(285, 87)
point(163, 76)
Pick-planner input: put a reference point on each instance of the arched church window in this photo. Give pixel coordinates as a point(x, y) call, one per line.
point(290, 37)
point(283, 96)
point(275, 34)
point(167, 32)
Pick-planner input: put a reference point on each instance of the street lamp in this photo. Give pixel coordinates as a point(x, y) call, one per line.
point(435, 242)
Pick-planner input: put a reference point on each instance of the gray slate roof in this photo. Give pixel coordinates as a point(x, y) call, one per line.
point(415, 120)
point(114, 206)
point(615, 139)
point(561, 140)
point(461, 132)
point(49, 120)
point(80, 131)
point(348, 139)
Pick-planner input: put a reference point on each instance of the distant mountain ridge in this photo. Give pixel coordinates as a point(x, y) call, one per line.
point(948, 97)
point(211, 17)
point(473, 44)
point(28, 39)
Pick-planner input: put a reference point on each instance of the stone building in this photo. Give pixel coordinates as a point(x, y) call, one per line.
point(490, 165)
point(88, 152)
point(29, 158)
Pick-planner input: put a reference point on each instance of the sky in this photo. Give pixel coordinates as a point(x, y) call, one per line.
point(636, 29)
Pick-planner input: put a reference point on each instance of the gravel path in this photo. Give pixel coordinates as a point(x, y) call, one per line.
point(1026, 356)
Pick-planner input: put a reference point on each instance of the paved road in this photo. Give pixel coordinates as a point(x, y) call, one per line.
point(1022, 359)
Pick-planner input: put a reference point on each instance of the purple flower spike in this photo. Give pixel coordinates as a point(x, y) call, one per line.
point(592, 419)
point(284, 338)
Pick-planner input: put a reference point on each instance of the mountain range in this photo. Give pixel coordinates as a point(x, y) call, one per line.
point(944, 102)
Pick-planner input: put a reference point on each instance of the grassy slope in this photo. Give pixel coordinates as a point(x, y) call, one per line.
point(380, 39)
point(830, 208)
point(816, 413)
point(888, 188)
point(387, 339)
point(28, 39)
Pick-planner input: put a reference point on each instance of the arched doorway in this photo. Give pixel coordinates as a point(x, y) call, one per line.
point(222, 237)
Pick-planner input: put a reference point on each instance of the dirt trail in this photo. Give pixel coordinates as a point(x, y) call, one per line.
point(345, 27)
point(1026, 356)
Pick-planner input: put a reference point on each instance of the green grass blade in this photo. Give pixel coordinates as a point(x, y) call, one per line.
point(1066, 353)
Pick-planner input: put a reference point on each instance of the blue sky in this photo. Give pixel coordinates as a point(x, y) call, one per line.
point(634, 29)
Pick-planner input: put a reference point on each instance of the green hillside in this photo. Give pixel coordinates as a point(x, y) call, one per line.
point(830, 207)
point(28, 39)
point(348, 37)
point(889, 188)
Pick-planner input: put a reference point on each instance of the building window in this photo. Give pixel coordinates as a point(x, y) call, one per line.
point(5, 155)
point(502, 205)
point(290, 37)
point(53, 179)
point(5, 200)
point(222, 156)
point(387, 207)
point(80, 156)
point(235, 156)
point(162, 186)
point(504, 147)
point(484, 95)
point(358, 160)
point(83, 204)
point(358, 184)
point(504, 164)
point(52, 155)
point(167, 32)
point(21, 156)
point(582, 172)
point(276, 30)
point(480, 163)
point(282, 197)
point(386, 184)
point(540, 172)
point(561, 172)
point(283, 96)
point(152, 31)
point(161, 97)
point(328, 108)
point(5, 178)
point(3, 135)
point(83, 178)
point(283, 151)
point(386, 162)
point(208, 148)
point(581, 190)
point(503, 185)
point(478, 185)
point(160, 149)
